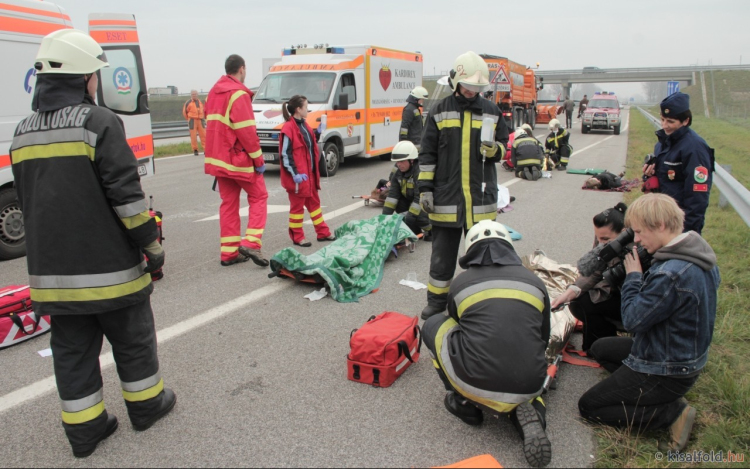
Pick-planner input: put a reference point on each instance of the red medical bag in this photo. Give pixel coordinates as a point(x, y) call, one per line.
point(383, 348)
point(18, 322)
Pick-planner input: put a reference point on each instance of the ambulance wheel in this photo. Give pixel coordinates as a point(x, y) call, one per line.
point(12, 234)
point(329, 160)
point(617, 130)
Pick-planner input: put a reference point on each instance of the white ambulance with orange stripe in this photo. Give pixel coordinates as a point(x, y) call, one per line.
point(122, 88)
point(361, 90)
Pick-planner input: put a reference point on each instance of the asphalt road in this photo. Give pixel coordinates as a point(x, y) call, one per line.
point(260, 372)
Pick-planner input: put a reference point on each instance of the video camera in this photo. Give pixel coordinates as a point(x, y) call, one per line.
point(615, 275)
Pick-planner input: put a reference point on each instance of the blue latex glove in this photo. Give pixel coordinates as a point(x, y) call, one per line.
point(298, 178)
point(260, 169)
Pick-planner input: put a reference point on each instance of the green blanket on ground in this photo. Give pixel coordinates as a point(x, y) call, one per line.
point(589, 171)
point(352, 266)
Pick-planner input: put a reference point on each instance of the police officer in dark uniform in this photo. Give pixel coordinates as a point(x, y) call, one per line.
point(490, 351)
point(403, 194)
point(527, 156)
point(87, 229)
point(684, 162)
point(458, 178)
point(411, 117)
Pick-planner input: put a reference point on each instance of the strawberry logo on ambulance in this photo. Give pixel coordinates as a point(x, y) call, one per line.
point(385, 77)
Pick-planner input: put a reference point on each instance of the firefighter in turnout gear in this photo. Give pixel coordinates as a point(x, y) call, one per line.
point(411, 118)
point(403, 195)
point(457, 178)
point(490, 351)
point(557, 147)
point(74, 169)
point(527, 156)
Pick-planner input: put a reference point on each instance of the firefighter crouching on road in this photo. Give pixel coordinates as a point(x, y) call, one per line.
point(403, 195)
point(557, 146)
point(300, 171)
point(684, 162)
point(73, 167)
point(234, 157)
point(457, 178)
point(490, 351)
point(527, 156)
point(411, 118)
point(193, 112)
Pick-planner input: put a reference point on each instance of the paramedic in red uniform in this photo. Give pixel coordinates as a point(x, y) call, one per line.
point(300, 171)
point(234, 157)
point(73, 167)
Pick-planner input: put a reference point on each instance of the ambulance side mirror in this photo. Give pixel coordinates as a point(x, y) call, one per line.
point(143, 103)
point(343, 103)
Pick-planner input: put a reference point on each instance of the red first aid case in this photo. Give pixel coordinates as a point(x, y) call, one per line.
point(383, 348)
point(18, 322)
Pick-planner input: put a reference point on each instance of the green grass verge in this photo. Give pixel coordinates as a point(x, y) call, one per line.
point(722, 394)
point(174, 149)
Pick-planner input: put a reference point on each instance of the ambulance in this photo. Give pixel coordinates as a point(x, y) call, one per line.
point(361, 89)
point(122, 88)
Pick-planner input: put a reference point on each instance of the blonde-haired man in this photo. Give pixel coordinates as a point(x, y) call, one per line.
point(671, 311)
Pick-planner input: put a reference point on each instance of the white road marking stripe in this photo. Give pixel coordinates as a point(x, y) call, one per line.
point(34, 390)
point(341, 211)
point(244, 211)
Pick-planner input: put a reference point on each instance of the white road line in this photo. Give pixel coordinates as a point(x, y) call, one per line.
point(34, 390)
point(164, 158)
point(511, 182)
point(341, 211)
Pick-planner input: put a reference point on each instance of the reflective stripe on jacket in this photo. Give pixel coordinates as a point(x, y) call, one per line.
point(411, 123)
point(404, 187)
point(85, 213)
point(301, 163)
point(526, 151)
point(232, 147)
point(451, 163)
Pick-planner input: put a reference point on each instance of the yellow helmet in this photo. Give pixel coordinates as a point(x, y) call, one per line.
point(486, 229)
point(471, 72)
point(69, 51)
point(404, 150)
point(419, 92)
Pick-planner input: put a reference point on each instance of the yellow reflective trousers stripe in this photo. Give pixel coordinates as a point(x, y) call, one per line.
point(90, 294)
point(144, 395)
point(76, 418)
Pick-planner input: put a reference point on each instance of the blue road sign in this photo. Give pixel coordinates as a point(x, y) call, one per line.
point(672, 87)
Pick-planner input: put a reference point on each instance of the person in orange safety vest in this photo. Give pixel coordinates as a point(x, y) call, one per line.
point(300, 171)
point(234, 157)
point(193, 112)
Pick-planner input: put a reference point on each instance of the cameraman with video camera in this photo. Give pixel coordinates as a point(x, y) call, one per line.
point(594, 298)
point(671, 310)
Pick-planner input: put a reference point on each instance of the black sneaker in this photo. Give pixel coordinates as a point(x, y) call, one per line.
point(168, 402)
point(85, 452)
point(195, 152)
point(536, 446)
point(240, 258)
point(430, 311)
point(462, 409)
point(255, 255)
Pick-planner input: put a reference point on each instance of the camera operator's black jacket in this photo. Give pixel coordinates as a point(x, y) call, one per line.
point(598, 289)
point(495, 355)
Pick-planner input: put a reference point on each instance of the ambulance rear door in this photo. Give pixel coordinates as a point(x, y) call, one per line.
point(122, 85)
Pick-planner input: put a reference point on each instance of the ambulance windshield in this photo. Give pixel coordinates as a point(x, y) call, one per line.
point(279, 87)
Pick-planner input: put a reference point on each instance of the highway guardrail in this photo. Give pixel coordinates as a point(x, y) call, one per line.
point(170, 129)
point(736, 194)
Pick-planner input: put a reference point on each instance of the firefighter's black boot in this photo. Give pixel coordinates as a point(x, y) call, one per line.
point(88, 450)
point(530, 424)
point(165, 405)
point(430, 311)
point(463, 409)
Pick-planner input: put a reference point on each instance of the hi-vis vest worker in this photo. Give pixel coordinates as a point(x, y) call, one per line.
point(87, 227)
point(557, 145)
point(411, 117)
point(490, 351)
point(527, 156)
point(458, 178)
point(194, 112)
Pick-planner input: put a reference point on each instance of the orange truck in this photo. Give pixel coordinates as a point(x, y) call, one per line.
point(514, 88)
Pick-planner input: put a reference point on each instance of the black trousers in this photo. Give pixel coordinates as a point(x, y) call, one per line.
point(628, 397)
point(416, 224)
point(568, 119)
point(76, 343)
point(445, 244)
point(598, 318)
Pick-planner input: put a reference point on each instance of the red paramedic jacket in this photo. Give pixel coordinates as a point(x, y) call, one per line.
point(232, 147)
point(301, 160)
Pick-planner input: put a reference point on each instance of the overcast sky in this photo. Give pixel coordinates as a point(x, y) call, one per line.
point(185, 42)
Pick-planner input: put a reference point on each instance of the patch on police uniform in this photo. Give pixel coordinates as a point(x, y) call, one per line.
point(670, 174)
point(700, 187)
point(701, 174)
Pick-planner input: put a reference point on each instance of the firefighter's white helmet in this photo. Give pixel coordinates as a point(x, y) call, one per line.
point(528, 129)
point(419, 92)
point(554, 124)
point(404, 150)
point(520, 133)
point(471, 72)
point(69, 51)
point(487, 229)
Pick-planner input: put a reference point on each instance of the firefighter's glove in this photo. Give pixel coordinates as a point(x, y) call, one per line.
point(489, 149)
point(154, 257)
point(260, 169)
point(299, 178)
point(427, 202)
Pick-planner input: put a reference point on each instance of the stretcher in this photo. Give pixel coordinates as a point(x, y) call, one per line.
point(369, 198)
